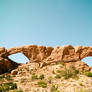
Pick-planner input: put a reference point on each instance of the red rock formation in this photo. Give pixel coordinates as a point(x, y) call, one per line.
point(43, 54)
point(33, 52)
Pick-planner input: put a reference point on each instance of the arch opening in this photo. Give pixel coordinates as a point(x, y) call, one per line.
point(19, 58)
point(88, 60)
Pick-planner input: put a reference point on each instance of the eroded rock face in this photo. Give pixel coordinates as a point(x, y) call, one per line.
point(61, 53)
point(43, 54)
point(5, 63)
point(33, 52)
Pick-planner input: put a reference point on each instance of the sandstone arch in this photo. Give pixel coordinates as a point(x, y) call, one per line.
point(18, 58)
point(39, 53)
point(88, 60)
point(32, 52)
point(83, 51)
point(46, 54)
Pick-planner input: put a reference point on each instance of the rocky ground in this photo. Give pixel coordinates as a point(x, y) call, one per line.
point(56, 77)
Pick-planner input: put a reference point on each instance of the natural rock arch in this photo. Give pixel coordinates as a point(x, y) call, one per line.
point(33, 52)
point(88, 60)
point(19, 58)
point(64, 53)
point(44, 54)
point(83, 51)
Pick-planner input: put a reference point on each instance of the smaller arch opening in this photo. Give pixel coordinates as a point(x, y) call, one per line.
point(19, 58)
point(88, 60)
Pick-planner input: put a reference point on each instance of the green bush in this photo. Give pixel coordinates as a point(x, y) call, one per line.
point(22, 80)
point(42, 84)
point(34, 77)
point(54, 88)
point(8, 86)
point(1, 77)
point(50, 79)
point(61, 62)
point(8, 77)
point(76, 71)
point(41, 76)
point(19, 90)
point(53, 72)
point(89, 74)
point(58, 76)
point(1, 90)
point(83, 90)
point(67, 73)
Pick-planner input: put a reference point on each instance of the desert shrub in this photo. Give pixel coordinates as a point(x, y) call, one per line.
point(1, 77)
point(19, 90)
point(49, 79)
point(89, 74)
point(22, 80)
point(76, 71)
point(70, 74)
point(41, 76)
point(13, 75)
point(8, 86)
point(8, 77)
point(82, 90)
point(1, 90)
point(34, 77)
point(27, 69)
point(53, 72)
point(59, 71)
point(54, 88)
point(58, 76)
point(42, 84)
point(80, 83)
point(19, 69)
point(67, 73)
point(61, 62)
point(64, 73)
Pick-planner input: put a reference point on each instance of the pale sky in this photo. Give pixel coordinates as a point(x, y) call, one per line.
point(45, 22)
